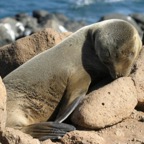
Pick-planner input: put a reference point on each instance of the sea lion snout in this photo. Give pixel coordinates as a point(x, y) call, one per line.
point(116, 75)
point(118, 45)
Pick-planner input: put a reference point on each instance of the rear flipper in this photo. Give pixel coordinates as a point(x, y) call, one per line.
point(48, 130)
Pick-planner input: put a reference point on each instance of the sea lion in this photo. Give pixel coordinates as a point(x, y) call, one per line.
point(64, 73)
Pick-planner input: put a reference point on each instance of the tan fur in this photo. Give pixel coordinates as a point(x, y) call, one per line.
point(66, 71)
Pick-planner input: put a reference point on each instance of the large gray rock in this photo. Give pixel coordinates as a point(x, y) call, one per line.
point(107, 105)
point(15, 26)
point(138, 17)
point(30, 23)
point(10, 30)
point(5, 36)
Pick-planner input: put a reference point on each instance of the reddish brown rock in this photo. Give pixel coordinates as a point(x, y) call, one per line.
point(137, 115)
point(107, 105)
point(15, 54)
point(2, 105)
point(82, 137)
point(12, 136)
point(49, 142)
point(129, 131)
point(138, 78)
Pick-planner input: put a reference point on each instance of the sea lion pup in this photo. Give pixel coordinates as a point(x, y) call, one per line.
point(64, 73)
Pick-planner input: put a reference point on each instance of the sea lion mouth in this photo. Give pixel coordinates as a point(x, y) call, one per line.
point(116, 74)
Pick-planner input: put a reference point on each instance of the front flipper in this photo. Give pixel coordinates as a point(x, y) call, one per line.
point(69, 110)
point(74, 94)
point(48, 130)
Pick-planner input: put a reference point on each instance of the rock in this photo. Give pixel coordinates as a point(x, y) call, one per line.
point(138, 17)
point(74, 25)
point(70, 25)
point(16, 27)
point(5, 36)
point(54, 25)
point(137, 115)
point(51, 21)
point(13, 55)
point(12, 136)
point(30, 23)
point(138, 77)
point(56, 21)
point(39, 14)
point(2, 105)
point(47, 18)
point(107, 105)
point(82, 137)
point(20, 16)
point(61, 18)
point(49, 142)
point(10, 30)
point(123, 17)
point(129, 131)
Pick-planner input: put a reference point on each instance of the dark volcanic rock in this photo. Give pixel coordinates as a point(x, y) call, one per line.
point(30, 23)
point(22, 25)
point(62, 18)
point(138, 17)
point(39, 14)
point(60, 23)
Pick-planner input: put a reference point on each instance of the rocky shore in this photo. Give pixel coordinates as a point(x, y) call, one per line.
point(112, 114)
point(21, 25)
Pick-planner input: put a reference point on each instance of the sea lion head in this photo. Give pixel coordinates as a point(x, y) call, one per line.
point(117, 45)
